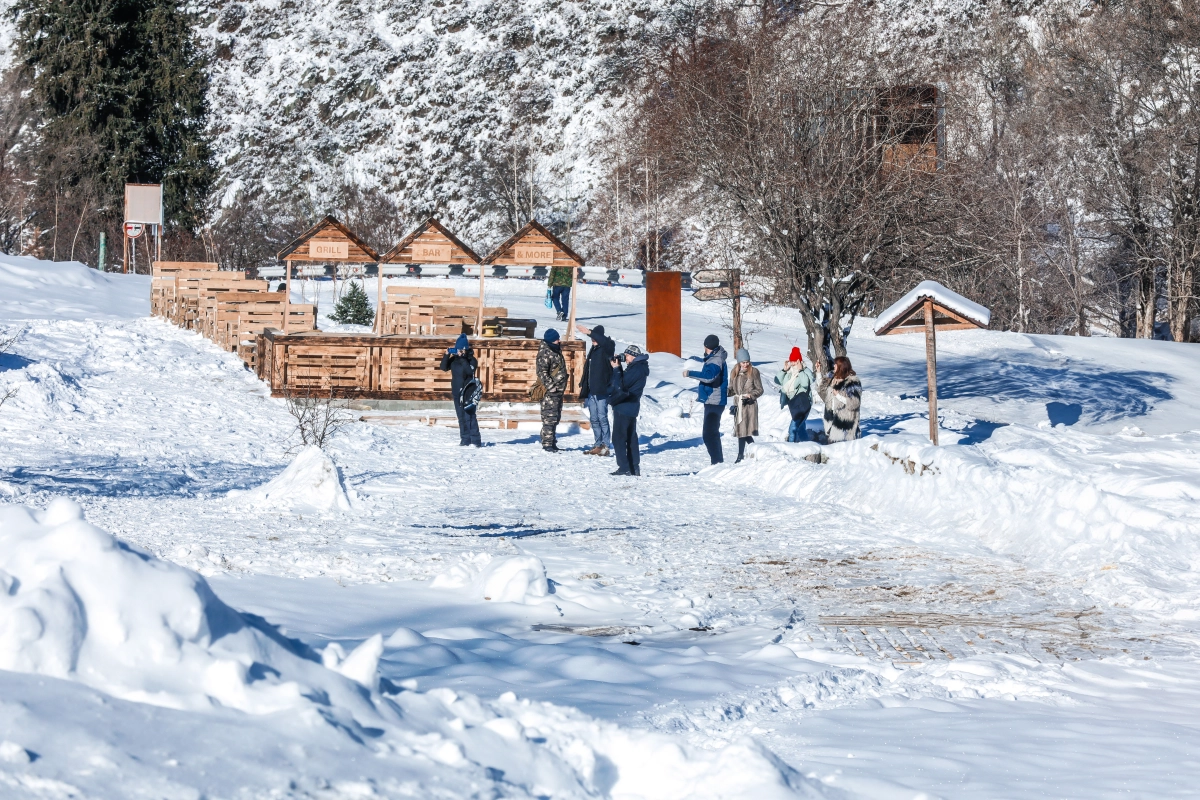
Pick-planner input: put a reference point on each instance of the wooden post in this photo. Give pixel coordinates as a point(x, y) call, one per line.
point(378, 328)
point(479, 316)
point(124, 252)
point(574, 294)
point(287, 296)
point(931, 369)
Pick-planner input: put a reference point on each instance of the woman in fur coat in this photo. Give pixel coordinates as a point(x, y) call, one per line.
point(842, 395)
point(745, 387)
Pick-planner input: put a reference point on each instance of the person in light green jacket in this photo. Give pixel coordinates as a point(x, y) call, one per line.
point(559, 280)
point(795, 382)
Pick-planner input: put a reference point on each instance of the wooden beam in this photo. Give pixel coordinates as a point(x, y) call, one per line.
point(574, 294)
point(931, 369)
point(287, 296)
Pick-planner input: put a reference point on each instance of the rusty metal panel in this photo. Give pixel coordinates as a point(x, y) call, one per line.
point(663, 329)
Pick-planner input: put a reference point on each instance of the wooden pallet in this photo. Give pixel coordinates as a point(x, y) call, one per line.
point(400, 367)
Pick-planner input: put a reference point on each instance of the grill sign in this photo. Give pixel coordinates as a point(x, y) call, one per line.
point(531, 254)
point(431, 253)
point(318, 249)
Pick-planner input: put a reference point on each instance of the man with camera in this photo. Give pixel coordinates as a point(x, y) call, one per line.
point(630, 371)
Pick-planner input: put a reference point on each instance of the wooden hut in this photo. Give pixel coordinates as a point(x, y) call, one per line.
point(330, 242)
point(533, 245)
point(431, 242)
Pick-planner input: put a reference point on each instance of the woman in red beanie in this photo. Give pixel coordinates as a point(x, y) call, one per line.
point(795, 383)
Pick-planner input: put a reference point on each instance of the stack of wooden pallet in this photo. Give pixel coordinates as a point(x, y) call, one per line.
point(223, 306)
point(429, 311)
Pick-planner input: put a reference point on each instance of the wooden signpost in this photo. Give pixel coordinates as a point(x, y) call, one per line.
point(533, 245)
point(328, 241)
point(728, 287)
point(431, 242)
point(930, 307)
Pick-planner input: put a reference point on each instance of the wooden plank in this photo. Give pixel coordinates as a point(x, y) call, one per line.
point(931, 369)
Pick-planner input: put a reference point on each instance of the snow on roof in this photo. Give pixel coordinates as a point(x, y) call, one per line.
point(939, 294)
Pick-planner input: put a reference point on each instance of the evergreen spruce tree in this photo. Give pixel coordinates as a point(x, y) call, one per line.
point(354, 308)
point(121, 86)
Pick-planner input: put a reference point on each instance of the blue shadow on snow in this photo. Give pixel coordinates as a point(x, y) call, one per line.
point(122, 478)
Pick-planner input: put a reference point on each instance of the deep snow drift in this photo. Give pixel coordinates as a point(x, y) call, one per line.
point(1008, 615)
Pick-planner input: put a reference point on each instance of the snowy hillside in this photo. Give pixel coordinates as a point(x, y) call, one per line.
point(1009, 615)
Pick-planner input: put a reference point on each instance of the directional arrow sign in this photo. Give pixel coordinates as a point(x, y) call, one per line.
point(715, 293)
point(712, 275)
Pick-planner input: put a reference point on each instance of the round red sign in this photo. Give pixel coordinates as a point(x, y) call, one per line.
point(134, 229)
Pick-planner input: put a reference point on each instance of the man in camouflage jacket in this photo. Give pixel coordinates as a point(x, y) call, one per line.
point(552, 372)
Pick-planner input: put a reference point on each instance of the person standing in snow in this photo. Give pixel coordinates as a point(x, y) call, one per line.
point(552, 372)
point(745, 387)
point(559, 280)
point(625, 396)
point(842, 395)
point(593, 390)
point(460, 362)
point(795, 383)
point(714, 383)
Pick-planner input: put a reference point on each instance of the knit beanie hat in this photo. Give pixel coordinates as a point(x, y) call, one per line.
point(742, 354)
point(711, 342)
point(795, 355)
point(633, 350)
point(597, 333)
point(461, 342)
point(551, 336)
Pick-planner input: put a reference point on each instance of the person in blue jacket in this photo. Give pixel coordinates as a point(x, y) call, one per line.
point(714, 384)
point(460, 362)
point(625, 399)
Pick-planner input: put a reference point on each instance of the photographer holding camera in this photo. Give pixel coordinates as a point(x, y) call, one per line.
point(630, 371)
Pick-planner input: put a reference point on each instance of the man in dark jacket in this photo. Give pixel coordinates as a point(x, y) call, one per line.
point(714, 384)
point(593, 391)
point(460, 362)
point(552, 372)
point(625, 397)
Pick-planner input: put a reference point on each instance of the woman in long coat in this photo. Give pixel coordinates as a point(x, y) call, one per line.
point(842, 395)
point(745, 387)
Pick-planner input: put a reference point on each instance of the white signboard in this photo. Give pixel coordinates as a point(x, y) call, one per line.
point(143, 203)
point(432, 253)
point(533, 254)
point(325, 249)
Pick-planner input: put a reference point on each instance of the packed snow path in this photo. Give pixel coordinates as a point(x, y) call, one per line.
point(1000, 640)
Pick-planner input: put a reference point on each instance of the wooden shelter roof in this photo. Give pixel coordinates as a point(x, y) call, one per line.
point(332, 234)
point(534, 239)
point(951, 311)
point(436, 236)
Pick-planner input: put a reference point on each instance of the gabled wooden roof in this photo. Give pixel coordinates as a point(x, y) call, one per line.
point(533, 235)
point(332, 231)
point(434, 233)
point(951, 311)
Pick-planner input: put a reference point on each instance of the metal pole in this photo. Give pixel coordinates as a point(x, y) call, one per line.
point(103, 252)
point(931, 369)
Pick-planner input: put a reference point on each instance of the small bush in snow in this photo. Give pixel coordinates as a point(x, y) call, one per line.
point(6, 344)
point(318, 417)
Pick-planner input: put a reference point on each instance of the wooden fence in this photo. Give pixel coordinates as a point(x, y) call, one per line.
point(400, 367)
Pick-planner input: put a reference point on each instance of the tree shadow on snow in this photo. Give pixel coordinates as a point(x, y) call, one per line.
point(124, 478)
point(1073, 392)
point(12, 361)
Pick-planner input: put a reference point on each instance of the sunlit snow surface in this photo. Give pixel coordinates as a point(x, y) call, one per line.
point(1009, 615)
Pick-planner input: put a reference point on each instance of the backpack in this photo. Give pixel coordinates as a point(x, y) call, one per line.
point(472, 392)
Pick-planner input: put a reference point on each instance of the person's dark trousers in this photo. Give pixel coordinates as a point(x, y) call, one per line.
point(468, 426)
point(561, 297)
point(712, 432)
point(742, 442)
point(625, 443)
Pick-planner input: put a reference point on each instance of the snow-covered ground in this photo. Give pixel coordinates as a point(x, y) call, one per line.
point(1013, 614)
